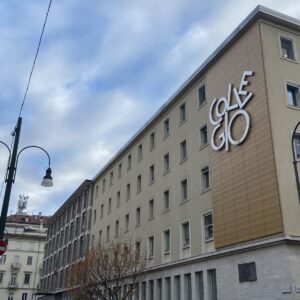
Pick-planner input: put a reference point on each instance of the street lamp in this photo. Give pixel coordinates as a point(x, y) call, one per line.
point(11, 172)
point(295, 159)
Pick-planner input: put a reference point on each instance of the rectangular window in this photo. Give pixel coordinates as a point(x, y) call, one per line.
point(184, 190)
point(297, 145)
point(118, 198)
point(151, 174)
point(205, 178)
point(167, 241)
point(111, 178)
point(287, 48)
point(137, 250)
point(293, 95)
point(151, 209)
point(95, 216)
point(117, 229)
point(208, 227)
point(10, 296)
point(159, 289)
point(166, 162)
point(103, 185)
point(126, 222)
point(202, 95)
point(96, 191)
point(139, 184)
point(119, 170)
point(166, 127)
point(151, 290)
point(129, 162)
point(144, 291)
point(187, 287)
point(168, 288)
point(107, 233)
point(24, 296)
point(1, 277)
point(203, 136)
point(128, 192)
point(212, 284)
point(185, 234)
point(152, 141)
point(150, 246)
point(138, 216)
point(100, 237)
point(2, 259)
point(177, 287)
point(199, 286)
point(182, 113)
point(166, 200)
point(29, 260)
point(140, 152)
point(183, 150)
point(109, 206)
point(27, 278)
point(102, 211)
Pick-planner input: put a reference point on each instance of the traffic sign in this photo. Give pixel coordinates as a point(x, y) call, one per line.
point(2, 247)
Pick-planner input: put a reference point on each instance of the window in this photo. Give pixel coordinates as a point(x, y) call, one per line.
point(166, 241)
point(138, 216)
point(247, 272)
point(159, 289)
point(83, 222)
point(111, 178)
point(287, 48)
point(137, 250)
point(168, 288)
point(107, 233)
point(119, 170)
point(140, 152)
point(2, 259)
point(151, 290)
point(101, 211)
point(202, 95)
point(117, 229)
point(183, 150)
point(128, 162)
point(118, 198)
point(203, 136)
point(24, 296)
point(151, 174)
point(150, 246)
point(29, 260)
point(187, 287)
point(13, 280)
point(184, 190)
point(144, 291)
point(139, 184)
point(199, 285)
point(27, 278)
point(205, 178)
point(166, 163)
point(126, 222)
point(151, 209)
point(182, 113)
point(293, 95)
point(128, 191)
point(166, 200)
point(96, 191)
point(10, 296)
point(212, 284)
point(109, 206)
point(152, 141)
point(103, 185)
point(100, 237)
point(297, 145)
point(177, 287)
point(208, 226)
point(166, 128)
point(1, 277)
point(185, 233)
point(95, 215)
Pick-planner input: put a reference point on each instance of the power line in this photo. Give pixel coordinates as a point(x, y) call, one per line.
point(36, 55)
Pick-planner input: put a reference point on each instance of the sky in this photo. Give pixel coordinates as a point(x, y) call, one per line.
point(104, 68)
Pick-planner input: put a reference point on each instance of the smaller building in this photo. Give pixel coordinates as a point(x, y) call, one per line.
point(21, 265)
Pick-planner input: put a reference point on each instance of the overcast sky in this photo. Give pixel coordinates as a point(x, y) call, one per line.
point(104, 68)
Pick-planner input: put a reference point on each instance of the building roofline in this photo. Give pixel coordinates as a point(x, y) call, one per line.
point(258, 12)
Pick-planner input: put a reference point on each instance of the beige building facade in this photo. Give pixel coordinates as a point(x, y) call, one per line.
point(207, 187)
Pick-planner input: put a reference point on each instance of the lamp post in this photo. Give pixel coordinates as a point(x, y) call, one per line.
point(11, 172)
point(295, 160)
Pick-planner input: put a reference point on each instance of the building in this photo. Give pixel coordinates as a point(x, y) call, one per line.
point(207, 186)
point(21, 265)
point(67, 241)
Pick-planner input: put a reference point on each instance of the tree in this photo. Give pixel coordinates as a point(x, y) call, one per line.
point(109, 271)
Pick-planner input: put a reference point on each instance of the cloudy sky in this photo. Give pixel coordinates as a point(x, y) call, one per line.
point(104, 68)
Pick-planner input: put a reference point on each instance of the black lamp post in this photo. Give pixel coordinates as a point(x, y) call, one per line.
point(295, 160)
point(11, 172)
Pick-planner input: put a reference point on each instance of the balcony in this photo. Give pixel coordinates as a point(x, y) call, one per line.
point(16, 265)
point(12, 285)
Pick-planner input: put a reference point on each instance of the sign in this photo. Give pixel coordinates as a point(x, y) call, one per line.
point(2, 247)
point(221, 118)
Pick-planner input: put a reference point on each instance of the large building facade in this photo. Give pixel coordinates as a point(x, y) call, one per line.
point(207, 186)
point(21, 265)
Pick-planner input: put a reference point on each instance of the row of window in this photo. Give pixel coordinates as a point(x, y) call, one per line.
point(14, 279)
point(152, 140)
point(17, 259)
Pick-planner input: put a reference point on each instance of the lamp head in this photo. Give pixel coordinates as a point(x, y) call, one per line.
point(47, 180)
